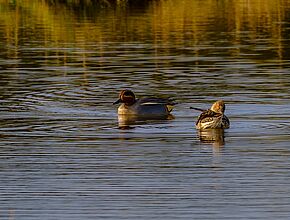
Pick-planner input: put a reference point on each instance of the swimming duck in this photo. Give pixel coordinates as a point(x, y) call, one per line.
point(213, 117)
point(144, 107)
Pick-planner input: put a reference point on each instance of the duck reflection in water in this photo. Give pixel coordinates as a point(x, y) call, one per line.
point(212, 136)
point(127, 122)
point(132, 110)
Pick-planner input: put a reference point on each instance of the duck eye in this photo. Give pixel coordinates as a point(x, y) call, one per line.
point(127, 94)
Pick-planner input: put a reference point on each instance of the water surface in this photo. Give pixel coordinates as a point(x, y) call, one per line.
point(62, 153)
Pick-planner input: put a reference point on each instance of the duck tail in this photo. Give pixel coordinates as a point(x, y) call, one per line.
point(169, 107)
point(198, 109)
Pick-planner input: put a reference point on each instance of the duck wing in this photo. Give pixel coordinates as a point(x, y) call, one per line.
point(225, 122)
point(153, 100)
point(207, 115)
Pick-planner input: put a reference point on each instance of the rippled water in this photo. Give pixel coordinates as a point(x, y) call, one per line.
point(62, 153)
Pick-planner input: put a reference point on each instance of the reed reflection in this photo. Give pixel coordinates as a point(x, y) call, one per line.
point(167, 22)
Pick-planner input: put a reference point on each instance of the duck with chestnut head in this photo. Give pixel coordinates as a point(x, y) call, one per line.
point(143, 107)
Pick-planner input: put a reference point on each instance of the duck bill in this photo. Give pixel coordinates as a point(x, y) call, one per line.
point(117, 102)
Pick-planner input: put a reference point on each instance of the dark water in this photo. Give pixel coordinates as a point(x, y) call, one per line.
point(62, 67)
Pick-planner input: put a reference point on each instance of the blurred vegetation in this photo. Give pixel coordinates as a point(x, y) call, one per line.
point(91, 2)
point(161, 21)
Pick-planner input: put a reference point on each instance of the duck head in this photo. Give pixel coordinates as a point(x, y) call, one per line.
point(127, 97)
point(218, 107)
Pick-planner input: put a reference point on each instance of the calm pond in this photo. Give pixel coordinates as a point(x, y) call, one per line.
point(62, 65)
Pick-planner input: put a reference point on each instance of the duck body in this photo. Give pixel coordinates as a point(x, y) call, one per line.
point(213, 118)
point(144, 107)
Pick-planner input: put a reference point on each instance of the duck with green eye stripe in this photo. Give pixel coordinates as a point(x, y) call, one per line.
point(143, 107)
